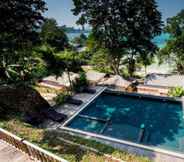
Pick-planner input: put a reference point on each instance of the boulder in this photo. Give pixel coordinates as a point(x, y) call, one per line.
point(22, 100)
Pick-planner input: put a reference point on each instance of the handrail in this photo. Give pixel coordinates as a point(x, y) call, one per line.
point(29, 148)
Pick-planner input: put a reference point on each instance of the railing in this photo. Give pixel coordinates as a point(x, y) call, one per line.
point(33, 151)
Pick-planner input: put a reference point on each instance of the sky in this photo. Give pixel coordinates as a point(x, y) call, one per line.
point(61, 10)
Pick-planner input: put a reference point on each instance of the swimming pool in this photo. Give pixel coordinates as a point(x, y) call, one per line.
point(142, 120)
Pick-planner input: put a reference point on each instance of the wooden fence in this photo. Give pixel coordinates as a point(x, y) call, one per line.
point(33, 151)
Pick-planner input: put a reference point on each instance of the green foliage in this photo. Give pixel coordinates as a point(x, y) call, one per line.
point(121, 25)
point(26, 17)
point(80, 41)
point(101, 61)
point(49, 57)
point(85, 57)
point(22, 72)
point(61, 98)
point(91, 43)
point(40, 70)
point(80, 82)
point(145, 59)
point(70, 60)
point(175, 24)
point(176, 92)
point(82, 21)
point(17, 36)
point(174, 49)
point(53, 35)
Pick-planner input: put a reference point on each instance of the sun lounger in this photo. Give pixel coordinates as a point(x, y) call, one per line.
point(74, 101)
point(54, 115)
point(89, 90)
point(33, 119)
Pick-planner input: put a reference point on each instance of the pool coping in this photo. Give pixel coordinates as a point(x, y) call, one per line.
point(83, 106)
point(119, 141)
point(135, 94)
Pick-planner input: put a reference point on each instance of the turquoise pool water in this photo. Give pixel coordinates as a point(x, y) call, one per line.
point(123, 116)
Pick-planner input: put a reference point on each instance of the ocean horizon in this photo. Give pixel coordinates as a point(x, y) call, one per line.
point(160, 40)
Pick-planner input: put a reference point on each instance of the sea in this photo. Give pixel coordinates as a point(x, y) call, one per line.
point(160, 40)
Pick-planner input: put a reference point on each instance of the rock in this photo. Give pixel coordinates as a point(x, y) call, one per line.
point(23, 100)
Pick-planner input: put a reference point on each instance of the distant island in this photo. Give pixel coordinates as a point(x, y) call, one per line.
point(74, 30)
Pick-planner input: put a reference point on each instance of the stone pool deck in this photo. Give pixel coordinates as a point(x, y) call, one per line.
point(71, 109)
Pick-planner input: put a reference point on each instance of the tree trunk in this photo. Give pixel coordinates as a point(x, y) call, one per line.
point(115, 64)
point(70, 81)
point(131, 66)
point(83, 28)
point(145, 69)
point(115, 69)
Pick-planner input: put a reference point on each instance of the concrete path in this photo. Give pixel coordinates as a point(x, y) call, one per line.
point(10, 154)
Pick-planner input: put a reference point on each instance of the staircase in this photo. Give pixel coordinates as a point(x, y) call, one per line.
point(16, 149)
point(9, 153)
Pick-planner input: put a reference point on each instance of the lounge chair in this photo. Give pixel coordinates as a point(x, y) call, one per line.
point(54, 115)
point(33, 119)
point(74, 101)
point(89, 90)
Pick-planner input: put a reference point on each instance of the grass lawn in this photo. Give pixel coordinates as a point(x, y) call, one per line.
point(55, 143)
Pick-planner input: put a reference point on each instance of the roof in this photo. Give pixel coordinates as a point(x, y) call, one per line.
point(60, 81)
point(116, 80)
point(94, 76)
point(166, 80)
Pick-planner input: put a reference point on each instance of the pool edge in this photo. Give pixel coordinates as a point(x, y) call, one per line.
point(103, 138)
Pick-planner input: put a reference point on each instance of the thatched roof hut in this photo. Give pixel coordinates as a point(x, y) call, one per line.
point(164, 80)
point(95, 77)
point(116, 81)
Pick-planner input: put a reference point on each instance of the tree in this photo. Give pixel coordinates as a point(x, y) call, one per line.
point(174, 49)
point(71, 63)
point(21, 18)
point(100, 61)
point(53, 35)
point(119, 25)
point(82, 22)
point(19, 21)
point(80, 41)
point(146, 58)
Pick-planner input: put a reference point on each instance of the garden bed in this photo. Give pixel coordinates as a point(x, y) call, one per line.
point(65, 145)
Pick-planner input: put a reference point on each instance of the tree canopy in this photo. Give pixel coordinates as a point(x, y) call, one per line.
point(19, 23)
point(174, 49)
point(125, 24)
point(21, 18)
point(53, 34)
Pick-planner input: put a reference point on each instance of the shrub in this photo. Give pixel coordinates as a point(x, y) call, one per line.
point(40, 70)
point(101, 61)
point(61, 98)
point(80, 82)
point(176, 92)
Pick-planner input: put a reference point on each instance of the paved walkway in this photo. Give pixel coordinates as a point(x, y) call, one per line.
point(71, 109)
point(10, 154)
